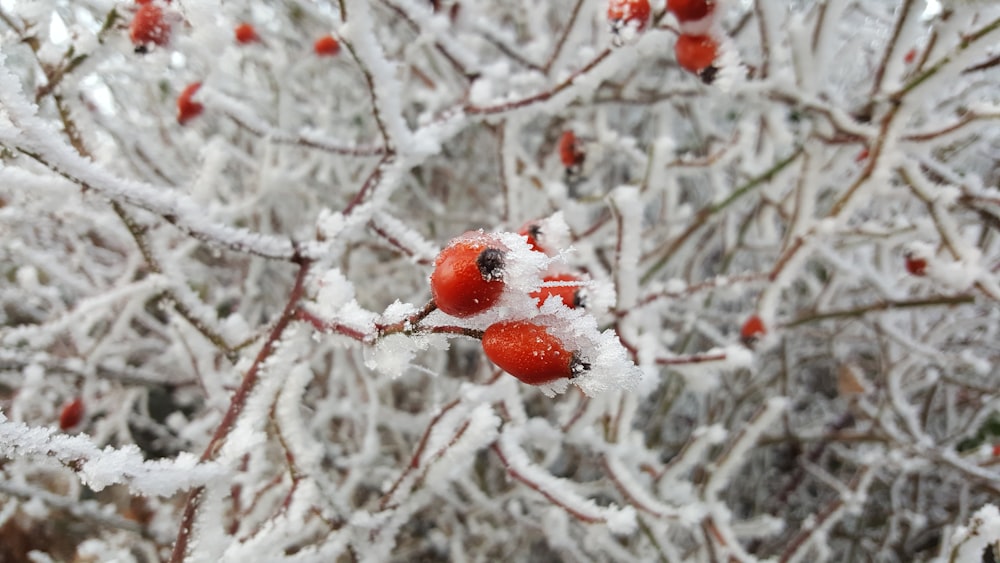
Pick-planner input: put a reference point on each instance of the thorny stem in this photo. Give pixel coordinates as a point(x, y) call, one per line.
point(236, 404)
point(370, 183)
point(542, 490)
point(417, 453)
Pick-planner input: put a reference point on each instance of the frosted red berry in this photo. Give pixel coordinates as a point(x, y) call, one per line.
point(530, 353)
point(71, 414)
point(697, 54)
point(690, 10)
point(535, 235)
point(916, 266)
point(148, 27)
point(570, 152)
point(635, 13)
point(468, 275)
point(187, 109)
point(326, 46)
point(571, 295)
point(752, 330)
point(245, 33)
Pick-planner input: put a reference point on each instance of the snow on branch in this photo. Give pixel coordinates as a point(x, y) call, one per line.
point(98, 468)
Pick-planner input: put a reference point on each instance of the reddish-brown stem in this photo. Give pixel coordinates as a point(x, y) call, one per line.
point(409, 323)
point(369, 185)
point(441, 453)
point(620, 485)
point(298, 140)
point(319, 324)
point(459, 330)
point(540, 489)
point(415, 459)
point(562, 37)
point(541, 96)
point(397, 244)
point(236, 405)
point(692, 359)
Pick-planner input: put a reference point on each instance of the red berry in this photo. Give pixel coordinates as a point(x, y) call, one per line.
point(326, 46)
point(996, 450)
point(752, 330)
point(696, 54)
point(916, 266)
point(72, 414)
point(571, 295)
point(623, 13)
point(186, 108)
point(528, 352)
point(532, 232)
point(690, 10)
point(468, 275)
point(148, 26)
point(910, 56)
point(570, 152)
point(862, 155)
point(245, 33)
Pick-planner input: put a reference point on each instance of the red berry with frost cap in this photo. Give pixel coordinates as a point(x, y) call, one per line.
point(468, 275)
point(690, 10)
point(530, 353)
point(533, 232)
point(753, 329)
point(697, 54)
point(148, 27)
point(623, 13)
point(326, 46)
point(915, 265)
point(187, 109)
point(71, 414)
point(245, 34)
point(570, 152)
point(572, 295)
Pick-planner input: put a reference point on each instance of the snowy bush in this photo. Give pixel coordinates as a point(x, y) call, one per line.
point(217, 337)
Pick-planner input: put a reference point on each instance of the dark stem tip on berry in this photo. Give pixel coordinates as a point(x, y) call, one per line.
point(535, 231)
point(578, 365)
point(141, 49)
point(579, 299)
point(708, 74)
point(491, 264)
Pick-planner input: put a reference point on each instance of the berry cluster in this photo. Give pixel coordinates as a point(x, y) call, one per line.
point(697, 47)
point(151, 25)
point(469, 279)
